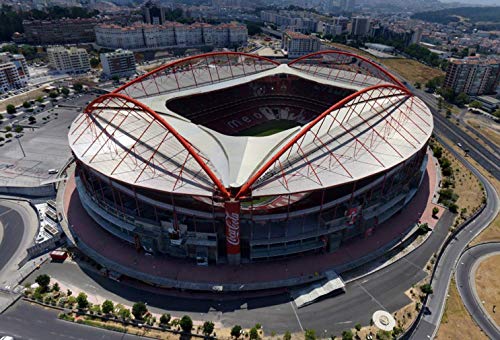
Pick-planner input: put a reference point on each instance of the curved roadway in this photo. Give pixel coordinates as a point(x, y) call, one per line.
point(465, 276)
point(429, 323)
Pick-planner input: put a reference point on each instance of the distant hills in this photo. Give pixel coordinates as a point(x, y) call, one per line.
point(475, 15)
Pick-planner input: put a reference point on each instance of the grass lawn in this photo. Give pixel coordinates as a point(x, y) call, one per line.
point(488, 283)
point(269, 128)
point(457, 322)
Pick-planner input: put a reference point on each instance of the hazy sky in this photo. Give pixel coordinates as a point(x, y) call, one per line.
point(479, 2)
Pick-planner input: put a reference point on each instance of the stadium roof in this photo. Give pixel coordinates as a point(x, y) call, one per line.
point(131, 136)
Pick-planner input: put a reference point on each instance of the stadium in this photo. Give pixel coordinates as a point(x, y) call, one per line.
point(232, 158)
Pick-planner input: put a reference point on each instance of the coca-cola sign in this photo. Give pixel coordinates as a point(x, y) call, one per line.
point(232, 227)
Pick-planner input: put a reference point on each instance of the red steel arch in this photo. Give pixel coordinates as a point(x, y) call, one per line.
point(205, 56)
point(189, 148)
point(344, 53)
point(246, 187)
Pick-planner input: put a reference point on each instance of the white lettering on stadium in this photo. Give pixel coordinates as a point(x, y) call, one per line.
point(233, 228)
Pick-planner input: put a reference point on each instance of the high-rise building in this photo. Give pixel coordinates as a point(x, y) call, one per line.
point(416, 36)
point(360, 26)
point(119, 63)
point(154, 14)
point(473, 75)
point(13, 72)
point(298, 44)
point(72, 60)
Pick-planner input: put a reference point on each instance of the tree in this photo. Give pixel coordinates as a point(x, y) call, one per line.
point(124, 313)
point(208, 327)
point(65, 91)
point(43, 281)
point(69, 292)
point(107, 306)
point(18, 129)
point(476, 104)
point(236, 331)
point(55, 287)
point(497, 113)
point(53, 94)
point(165, 319)
point(310, 334)
point(32, 119)
point(115, 78)
point(358, 327)
point(435, 211)
point(82, 301)
point(347, 335)
point(186, 324)
point(26, 105)
point(139, 309)
point(287, 336)
point(78, 87)
point(461, 99)
point(254, 333)
point(94, 62)
point(39, 99)
point(8, 128)
point(1, 116)
point(11, 109)
point(426, 288)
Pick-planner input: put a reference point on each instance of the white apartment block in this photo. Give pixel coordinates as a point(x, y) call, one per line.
point(119, 63)
point(13, 72)
point(72, 60)
point(298, 44)
point(170, 34)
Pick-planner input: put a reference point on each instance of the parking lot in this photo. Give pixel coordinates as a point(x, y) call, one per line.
point(26, 159)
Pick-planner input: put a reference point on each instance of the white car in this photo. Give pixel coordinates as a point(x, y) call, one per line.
point(6, 337)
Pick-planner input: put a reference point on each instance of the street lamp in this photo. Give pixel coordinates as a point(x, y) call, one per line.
point(19, 141)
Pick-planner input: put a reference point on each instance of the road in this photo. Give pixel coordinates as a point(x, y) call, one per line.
point(442, 126)
point(465, 276)
point(428, 325)
point(13, 230)
point(381, 290)
point(25, 321)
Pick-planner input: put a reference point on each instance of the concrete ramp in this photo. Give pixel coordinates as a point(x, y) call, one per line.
point(305, 296)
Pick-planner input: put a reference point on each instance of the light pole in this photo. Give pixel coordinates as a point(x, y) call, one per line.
point(18, 137)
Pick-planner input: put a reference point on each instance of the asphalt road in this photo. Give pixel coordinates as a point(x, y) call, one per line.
point(13, 231)
point(465, 276)
point(428, 324)
point(381, 290)
point(26, 321)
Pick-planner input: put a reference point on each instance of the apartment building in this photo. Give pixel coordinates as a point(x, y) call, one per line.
point(170, 34)
point(13, 72)
point(360, 26)
point(72, 60)
point(473, 76)
point(62, 31)
point(119, 63)
point(298, 44)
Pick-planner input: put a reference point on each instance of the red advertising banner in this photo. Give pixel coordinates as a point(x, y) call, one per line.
point(232, 227)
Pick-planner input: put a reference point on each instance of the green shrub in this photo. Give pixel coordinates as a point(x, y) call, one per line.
point(236, 331)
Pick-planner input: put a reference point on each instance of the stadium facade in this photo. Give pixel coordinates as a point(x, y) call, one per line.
point(233, 158)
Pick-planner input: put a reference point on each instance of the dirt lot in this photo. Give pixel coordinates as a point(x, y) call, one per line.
point(467, 187)
point(488, 283)
point(456, 322)
point(18, 100)
point(491, 130)
point(410, 69)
